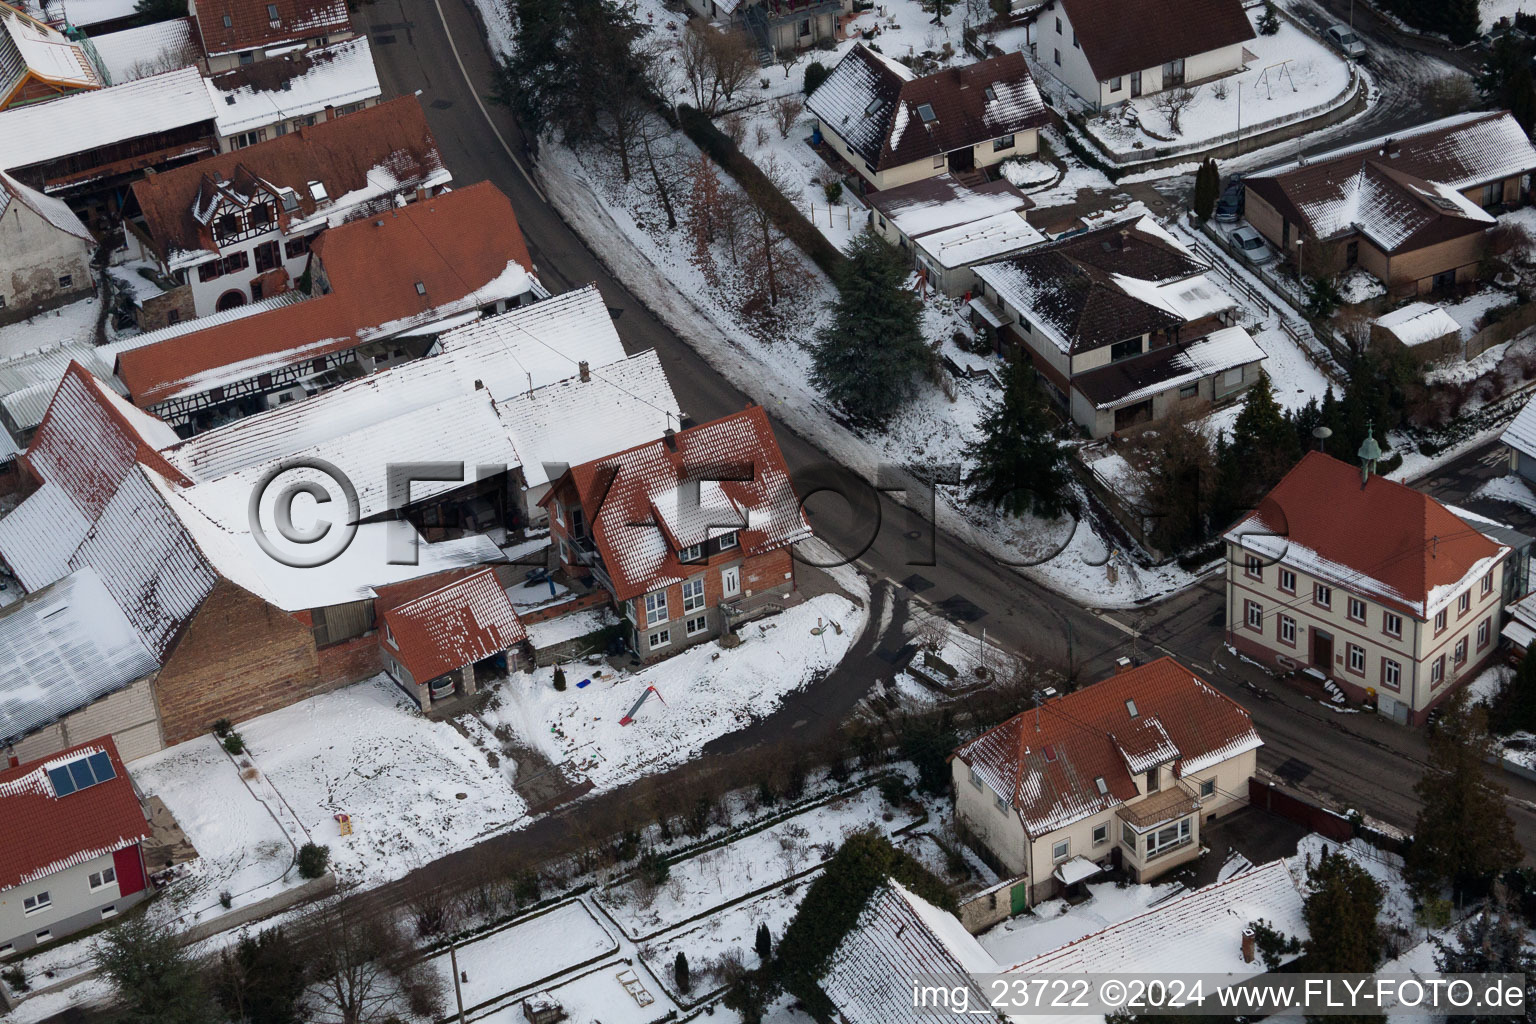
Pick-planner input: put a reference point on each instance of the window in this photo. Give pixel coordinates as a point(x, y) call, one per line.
point(1056, 54)
point(660, 638)
point(1058, 26)
point(228, 22)
point(1061, 850)
point(1101, 785)
point(1189, 391)
point(1357, 609)
point(1493, 193)
point(976, 779)
point(272, 12)
point(696, 625)
point(1208, 787)
point(236, 261)
point(1124, 349)
point(295, 247)
point(1440, 620)
point(1356, 662)
point(1128, 835)
point(1152, 781)
point(37, 901)
point(1116, 83)
point(1437, 671)
point(248, 57)
point(1391, 674)
point(98, 879)
point(421, 288)
point(559, 511)
point(1101, 834)
point(1460, 653)
point(266, 257)
point(261, 215)
point(1392, 624)
point(1074, 40)
point(1167, 838)
point(7, 949)
point(1255, 567)
point(925, 112)
point(1322, 595)
point(1001, 802)
point(1130, 707)
point(1288, 581)
point(44, 935)
point(938, 161)
point(1464, 603)
point(1253, 615)
point(1006, 142)
point(693, 595)
point(110, 910)
point(1487, 585)
point(805, 26)
point(66, 280)
point(81, 773)
point(1288, 630)
point(655, 607)
point(691, 553)
point(1483, 633)
point(728, 540)
point(211, 270)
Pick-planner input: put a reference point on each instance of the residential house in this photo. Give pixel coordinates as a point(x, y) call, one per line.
point(893, 128)
point(383, 288)
point(145, 50)
point(690, 534)
point(1107, 52)
point(80, 862)
point(948, 226)
point(1356, 579)
point(256, 102)
point(438, 628)
point(777, 26)
point(223, 226)
point(233, 33)
point(1124, 772)
point(1413, 209)
point(1520, 438)
point(1520, 630)
point(45, 252)
point(88, 147)
point(38, 62)
point(1122, 323)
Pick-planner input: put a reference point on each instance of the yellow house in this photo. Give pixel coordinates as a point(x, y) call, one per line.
point(893, 128)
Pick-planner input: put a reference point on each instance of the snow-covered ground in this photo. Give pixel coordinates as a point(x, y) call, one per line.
point(732, 931)
point(1293, 76)
point(700, 694)
point(526, 952)
point(1469, 311)
point(1386, 868)
point(1511, 489)
point(1054, 923)
point(1490, 11)
point(74, 322)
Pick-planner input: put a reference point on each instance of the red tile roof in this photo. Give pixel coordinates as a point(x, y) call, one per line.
point(656, 498)
point(1048, 760)
point(251, 25)
point(1384, 539)
point(90, 438)
point(455, 245)
point(49, 833)
point(464, 618)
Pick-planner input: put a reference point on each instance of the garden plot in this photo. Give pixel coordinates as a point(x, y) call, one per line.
point(242, 850)
point(526, 953)
point(691, 698)
point(1291, 77)
point(724, 936)
point(414, 788)
point(727, 873)
point(599, 996)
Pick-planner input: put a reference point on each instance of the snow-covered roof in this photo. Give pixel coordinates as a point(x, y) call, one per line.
point(294, 86)
point(1077, 869)
point(1418, 322)
point(541, 343)
point(1521, 433)
point(1200, 930)
point(54, 211)
point(900, 936)
point(113, 349)
point(83, 121)
point(31, 46)
point(39, 536)
point(229, 26)
point(27, 382)
point(944, 201)
point(1384, 540)
point(134, 53)
point(1078, 755)
point(1132, 381)
point(464, 620)
point(999, 235)
point(63, 831)
point(62, 648)
point(575, 421)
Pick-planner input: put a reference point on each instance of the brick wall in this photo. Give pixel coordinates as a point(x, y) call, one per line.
point(156, 313)
point(350, 661)
point(592, 599)
point(238, 657)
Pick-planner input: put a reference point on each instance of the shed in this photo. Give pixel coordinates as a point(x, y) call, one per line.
point(1421, 328)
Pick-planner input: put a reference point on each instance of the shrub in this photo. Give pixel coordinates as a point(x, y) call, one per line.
point(833, 190)
point(627, 846)
point(313, 860)
point(815, 73)
point(895, 790)
point(222, 728)
point(680, 973)
point(226, 900)
point(234, 744)
point(654, 868)
point(16, 977)
point(559, 678)
point(526, 888)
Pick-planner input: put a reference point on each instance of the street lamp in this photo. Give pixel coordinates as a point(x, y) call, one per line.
point(1322, 434)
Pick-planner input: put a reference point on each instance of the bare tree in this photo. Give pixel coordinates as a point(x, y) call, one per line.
point(1171, 103)
point(786, 110)
point(772, 258)
point(363, 965)
point(787, 57)
point(715, 64)
point(666, 165)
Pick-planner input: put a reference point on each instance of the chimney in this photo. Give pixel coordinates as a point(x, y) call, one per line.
point(585, 370)
point(421, 193)
point(330, 112)
point(1122, 664)
point(670, 437)
point(479, 385)
point(1248, 945)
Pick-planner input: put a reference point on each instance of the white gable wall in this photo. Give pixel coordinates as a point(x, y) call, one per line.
point(35, 258)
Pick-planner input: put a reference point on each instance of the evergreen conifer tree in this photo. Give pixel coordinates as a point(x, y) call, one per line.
point(764, 943)
point(1340, 909)
point(1019, 467)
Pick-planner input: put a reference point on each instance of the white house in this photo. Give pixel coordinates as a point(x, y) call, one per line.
point(45, 252)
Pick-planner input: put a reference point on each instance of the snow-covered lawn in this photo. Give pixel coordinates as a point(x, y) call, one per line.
point(732, 931)
point(1385, 868)
point(726, 873)
point(1470, 311)
point(1054, 923)
point(700, 694)
point(1488, 684)
point(74, 322)
point(598, 995)
point(526, 952)
point(414, 788)
point(1511, 489)
point(1293, 76)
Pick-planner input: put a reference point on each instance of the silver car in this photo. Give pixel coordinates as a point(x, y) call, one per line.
point(1252, 245)
point(1345, 39)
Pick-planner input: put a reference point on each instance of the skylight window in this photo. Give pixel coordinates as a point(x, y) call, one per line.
point(874, 105)
point(272, 12)
point(421, 288)
point(81, 773)
point(925, 111)
point(1102, 785)
point(228, 21)
point(317, 191)
point(991, 93)
point(1130, 705)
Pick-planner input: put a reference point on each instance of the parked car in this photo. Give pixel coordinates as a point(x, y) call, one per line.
point(1229, 208)
point(1252, 245)
point(1345, 39)
point(443, 687)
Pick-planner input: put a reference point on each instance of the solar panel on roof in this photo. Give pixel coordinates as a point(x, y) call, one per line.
point(81, 773)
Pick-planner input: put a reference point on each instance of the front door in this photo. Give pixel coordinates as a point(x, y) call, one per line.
point(730, 581)
point(962, 159)
point(1173, 73)
point(1135, 84)
point(1322, 652)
